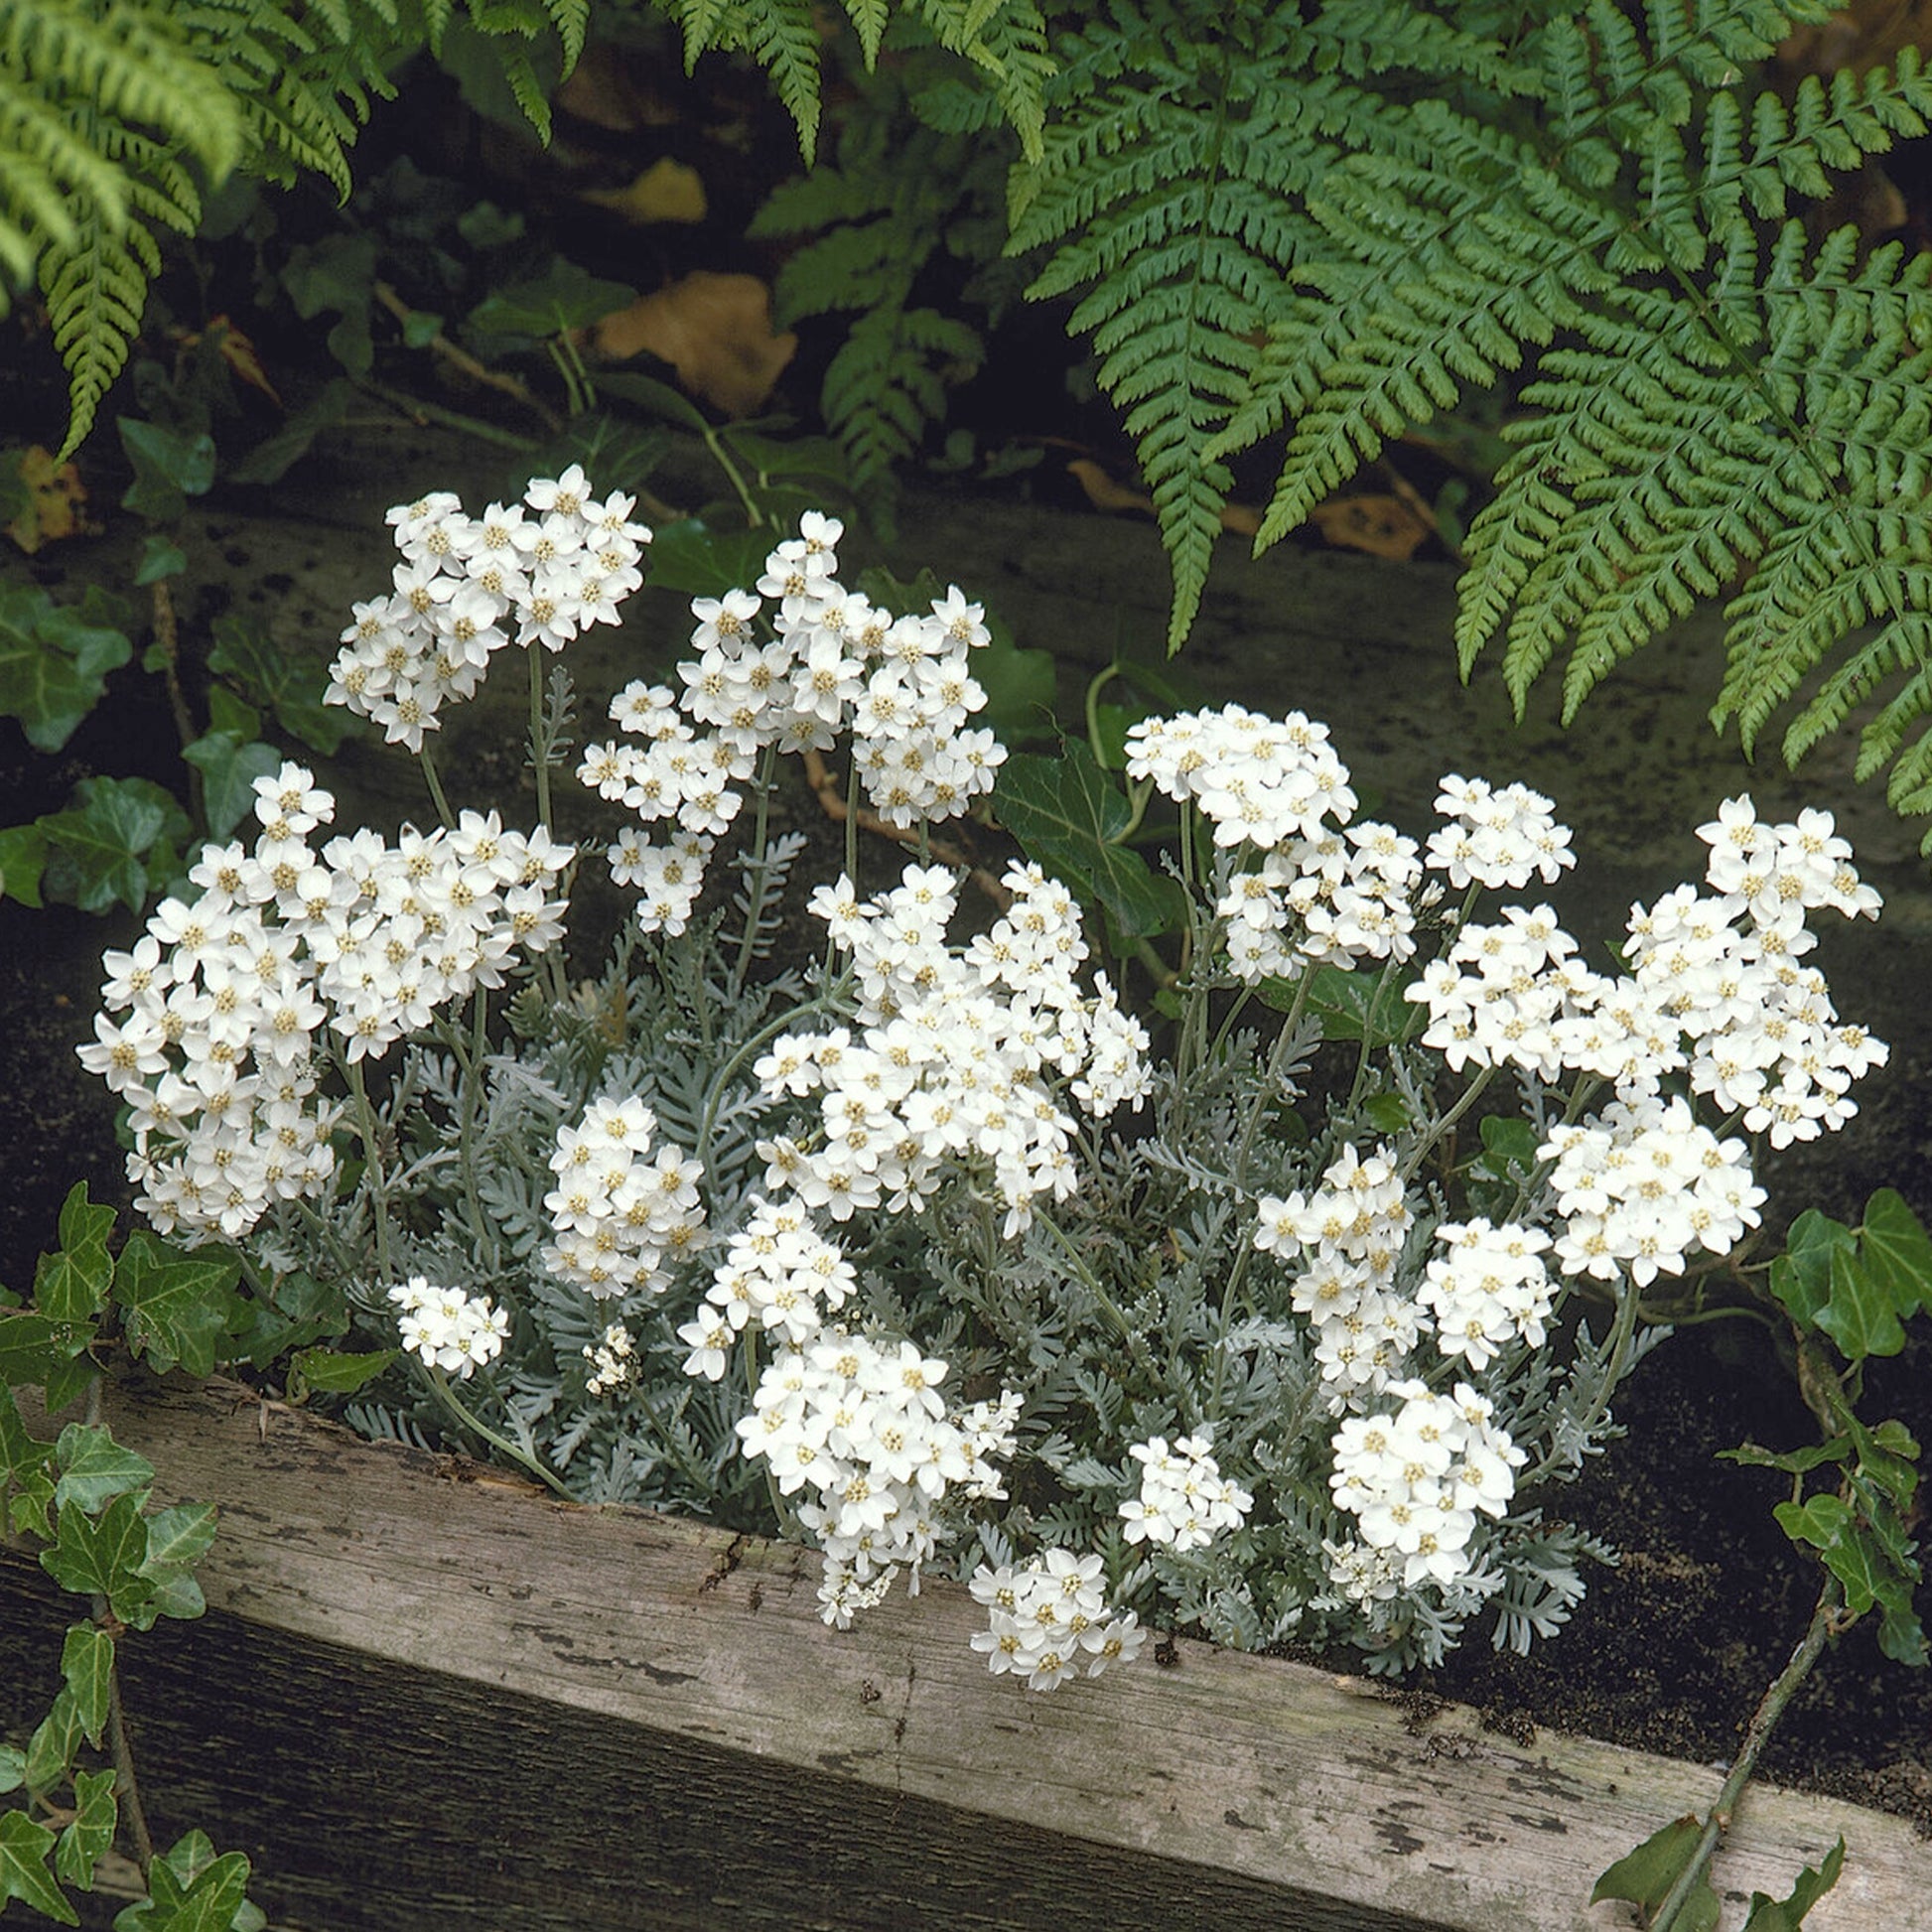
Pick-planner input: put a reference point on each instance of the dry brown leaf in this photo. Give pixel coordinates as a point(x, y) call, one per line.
point(667, 190)
point(1858, 36)
point(54, 501)
point(1104, 493)
point(714, 330)
point(607, 89)
point(1384, 526)
point(1102, 490)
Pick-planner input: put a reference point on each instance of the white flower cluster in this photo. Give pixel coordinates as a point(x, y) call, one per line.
point(832, 663)
point(1184, 1500)
point(782, 1271)
point(1490, 1288)
point(229, 997)
point(1261, 782)
point(1715, 991)
point(619, 1207)
point(1644, 1183)
point(535, 573)
point(613, 1358)
point(1049, 1618)
point(447, 1329)
point(1498, 838)
point(1353, 1229)
point(959, 1052)
point(1416, 1479)
point(863, 1426)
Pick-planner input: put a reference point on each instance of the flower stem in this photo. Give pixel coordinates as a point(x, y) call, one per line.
point(438, 1384)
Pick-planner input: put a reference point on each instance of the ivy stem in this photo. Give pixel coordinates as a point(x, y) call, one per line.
point(1825, 1622)
point(127, 1788)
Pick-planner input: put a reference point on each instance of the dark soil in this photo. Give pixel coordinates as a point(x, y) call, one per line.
point(1671, 1649)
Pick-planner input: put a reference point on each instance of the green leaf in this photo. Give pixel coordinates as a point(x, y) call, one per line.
point(1645, 1877)
point(565, 297)
point(91, 1836)
point(54, 663)
point(691, 557)
point(94, 1468)
point(175, 1594)
point(274, 456)
point(180, 1306)
point(1801, 1277)
point(24, 1847)
point(333, 1373)
point(72, 1285)
point(35, 1347)
point(1794, 1461)
point(1897, 1252)
point(179, 1536)
point(661, 400)
point(291, 690)
point(161, 556)
point(1509, 1145)
point(191, 1891)
point(23, 1464)
point(102, 1555)
point(1351, 1005)
point(99, 845)
point(13, 1767)
point(228, 769)
point(88, 1665)
point(23, 858)
point(420, 328)
point(1859, 1316)
point(169, 468)
point(1069, 815)
point(56, 1738)
point(1389, 1112)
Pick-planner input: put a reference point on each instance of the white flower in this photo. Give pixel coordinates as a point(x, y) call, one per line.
point(447, 1328)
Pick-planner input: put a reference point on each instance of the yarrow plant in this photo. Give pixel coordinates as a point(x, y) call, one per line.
point(1278, 1312)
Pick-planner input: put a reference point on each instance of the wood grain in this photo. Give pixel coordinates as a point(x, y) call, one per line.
point(640, 1720)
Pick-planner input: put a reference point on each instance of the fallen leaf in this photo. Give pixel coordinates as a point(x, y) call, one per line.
point(667, 190)
point(1384, 526)
point(1858, 36)
point(1102, 490)
point(610, 90)
point(1104, 493)
point(239, 352)
point(714, 330)
point(54, 501)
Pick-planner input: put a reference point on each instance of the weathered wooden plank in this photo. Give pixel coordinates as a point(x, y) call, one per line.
point(1254, 1772)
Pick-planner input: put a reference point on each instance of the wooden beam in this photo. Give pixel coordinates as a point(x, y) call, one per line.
point(692, 1667)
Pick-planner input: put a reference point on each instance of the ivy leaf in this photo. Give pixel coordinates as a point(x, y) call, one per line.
point(1859, 1316)
point(169, 468)
point(103, 1556)
point(56, 1738)
point(88, 1665)
point(24, 1847)
point(661, 400)
point(24, 1461)
point(72, 1285)
point(1897, 1252)
point(99, 846)
point(54, 663)
point(34, 1347)
point(179, 1536)
point(228, 769)
point(692, 558)
point(94, 1468)
point(91, 1836)
point(565, 297)
point(190, 1889)
point(1509, 1145)
point(180, 1306)
point(1645, 1877)
point(1801, 1277)
point(335, 1373)
point(1353, 1005)
point(290, 689)
point(13, 1767)
point(23, 858)
point(1069, 815)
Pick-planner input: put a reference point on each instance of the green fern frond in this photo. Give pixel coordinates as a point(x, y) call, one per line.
point(887, 381)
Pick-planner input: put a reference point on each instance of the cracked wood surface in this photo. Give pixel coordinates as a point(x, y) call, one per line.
point(625, 1718)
